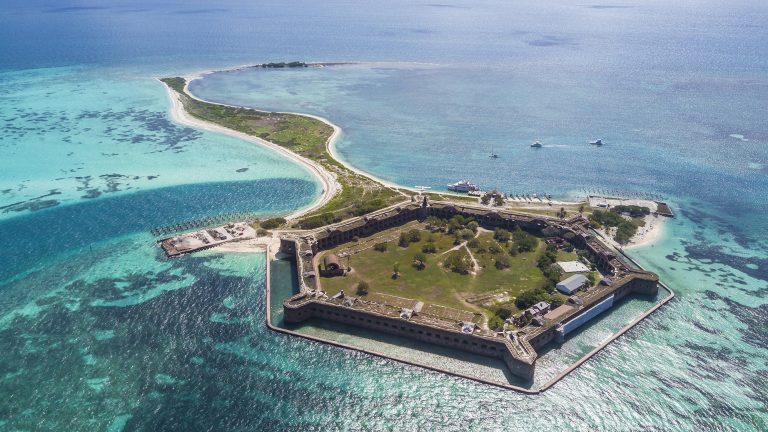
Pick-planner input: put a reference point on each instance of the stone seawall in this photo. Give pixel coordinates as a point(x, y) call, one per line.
point(489, 347)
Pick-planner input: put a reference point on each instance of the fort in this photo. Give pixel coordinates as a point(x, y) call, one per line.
point(355, 206)
point(424, 322)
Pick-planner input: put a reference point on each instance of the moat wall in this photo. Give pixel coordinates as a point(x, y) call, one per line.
point(496, 348)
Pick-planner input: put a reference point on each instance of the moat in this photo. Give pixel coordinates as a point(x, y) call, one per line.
point(467, 294)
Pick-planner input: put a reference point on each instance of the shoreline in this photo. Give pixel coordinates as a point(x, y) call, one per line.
point(330, 186)
point(651, 233)
point(648, 235)
point(330, 145)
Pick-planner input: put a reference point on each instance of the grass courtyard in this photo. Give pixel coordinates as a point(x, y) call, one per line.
point(493, 277)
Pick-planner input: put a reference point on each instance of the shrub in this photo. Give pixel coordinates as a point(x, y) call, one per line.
point(466, 234)
point(273, 223)
point(502, 262)
point(503, 313)
point(318, 220)
point(494, 249)
point(403, 241)
point(501, 235)
point(362, 288)
point(380, 247)
point(429, 248)
point(474, 243)
point(261, 232)
point(414, 236)
point(457, 263)
point(496, 323)
point(473, 226)
point(632, 210)
point(435, 223)
point(420, 261)
point(524, 241)
point(530, 297)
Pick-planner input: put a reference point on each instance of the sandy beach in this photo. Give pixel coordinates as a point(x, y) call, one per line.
point(650, 233)
point(329, 183)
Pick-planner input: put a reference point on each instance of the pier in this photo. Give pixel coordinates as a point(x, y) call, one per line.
point(203, 223)
point(206, 238)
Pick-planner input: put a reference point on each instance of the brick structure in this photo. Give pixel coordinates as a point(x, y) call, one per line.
point(516, 349)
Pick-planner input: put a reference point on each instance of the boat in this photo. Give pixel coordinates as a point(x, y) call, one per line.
point(598, 142)
point(494, 156)
point(536, 144)
point(463, 186)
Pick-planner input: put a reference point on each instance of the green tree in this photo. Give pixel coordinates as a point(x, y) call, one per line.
point(380, 247)
point(503, 313)
point(414, 236)
point(429, 247)
point(273, 223)
point(501, 261)
point(501, 235)
point(457, 262)
point(403, 241)
point(530, 297)
point(496, 323)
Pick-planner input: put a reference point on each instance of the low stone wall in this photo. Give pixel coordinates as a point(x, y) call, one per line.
point(489, 347)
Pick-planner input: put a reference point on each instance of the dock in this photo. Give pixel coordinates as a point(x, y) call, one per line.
point(206, 238)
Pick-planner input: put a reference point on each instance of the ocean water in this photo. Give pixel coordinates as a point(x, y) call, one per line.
point(100, 332)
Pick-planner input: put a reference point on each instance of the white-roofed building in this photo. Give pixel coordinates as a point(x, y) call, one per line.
point(572, 284)
point(572, 266)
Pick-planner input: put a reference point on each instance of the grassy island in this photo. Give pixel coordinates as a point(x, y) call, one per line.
point(305, 136)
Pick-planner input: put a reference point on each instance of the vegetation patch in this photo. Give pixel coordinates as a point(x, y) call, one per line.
point(304, 136)
point(625, 228)
point(423, 262)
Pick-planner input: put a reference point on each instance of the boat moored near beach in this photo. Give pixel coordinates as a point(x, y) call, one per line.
point(463, 186)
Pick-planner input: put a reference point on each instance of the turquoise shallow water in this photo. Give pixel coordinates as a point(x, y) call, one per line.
point(100, 332)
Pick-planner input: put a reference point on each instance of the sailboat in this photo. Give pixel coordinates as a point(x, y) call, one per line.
point(493, 154)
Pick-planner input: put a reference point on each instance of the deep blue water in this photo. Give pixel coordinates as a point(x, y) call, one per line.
point(99, 331)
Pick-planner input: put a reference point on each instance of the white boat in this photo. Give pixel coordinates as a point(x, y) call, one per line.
point(537, 144)
point(463, 186)
point(598, 142)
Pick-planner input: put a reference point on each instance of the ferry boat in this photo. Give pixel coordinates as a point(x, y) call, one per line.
point(537, 144)
point(463, 186)
point(598, 142)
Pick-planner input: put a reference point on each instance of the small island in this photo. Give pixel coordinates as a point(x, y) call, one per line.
point(498, 275)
